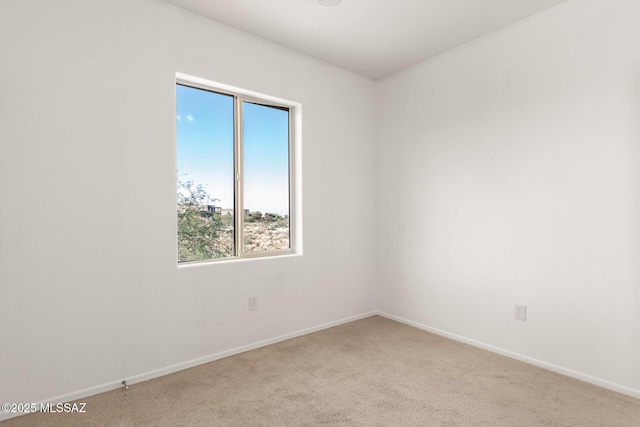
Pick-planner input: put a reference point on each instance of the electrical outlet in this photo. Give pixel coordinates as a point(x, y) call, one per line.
point(253, 303)
point(520, 312)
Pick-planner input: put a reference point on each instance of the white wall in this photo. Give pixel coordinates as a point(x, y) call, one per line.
point(509, 173)
point(90, 293)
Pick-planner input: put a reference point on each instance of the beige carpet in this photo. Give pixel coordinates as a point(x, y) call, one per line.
point(373, 372)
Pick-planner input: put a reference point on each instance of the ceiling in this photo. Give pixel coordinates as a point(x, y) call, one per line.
point(373, 38)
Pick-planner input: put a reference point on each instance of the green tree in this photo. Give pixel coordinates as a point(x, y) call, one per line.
point(270, 217)
point(201, 234)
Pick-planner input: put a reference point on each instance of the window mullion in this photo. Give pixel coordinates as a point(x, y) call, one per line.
point(239, 197)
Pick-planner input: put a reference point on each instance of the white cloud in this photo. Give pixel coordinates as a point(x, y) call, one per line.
point(190, 117)
point(178, 117)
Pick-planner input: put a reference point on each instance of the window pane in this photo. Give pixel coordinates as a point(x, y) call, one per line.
point(266, 177)
point(205, 196)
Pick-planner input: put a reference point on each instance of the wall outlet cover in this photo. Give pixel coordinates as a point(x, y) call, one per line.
point(520, 312)
point(253, 303)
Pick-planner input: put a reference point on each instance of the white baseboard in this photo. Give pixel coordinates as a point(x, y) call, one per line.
point(549, 366)
point(112, 385)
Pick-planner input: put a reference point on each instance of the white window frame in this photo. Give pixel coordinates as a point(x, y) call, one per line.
point(295, 209)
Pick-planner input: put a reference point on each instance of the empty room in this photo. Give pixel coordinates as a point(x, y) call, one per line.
point(319, 212)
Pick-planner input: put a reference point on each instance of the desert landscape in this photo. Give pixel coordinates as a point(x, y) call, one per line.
point(258, 236)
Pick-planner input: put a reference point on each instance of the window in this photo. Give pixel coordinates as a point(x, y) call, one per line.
point(234, 174)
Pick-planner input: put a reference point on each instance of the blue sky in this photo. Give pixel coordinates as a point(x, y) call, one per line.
point(204, 123)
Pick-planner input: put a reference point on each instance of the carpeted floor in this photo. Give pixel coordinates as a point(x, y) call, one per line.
point(372, 372)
